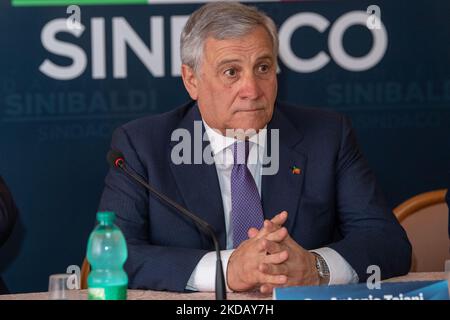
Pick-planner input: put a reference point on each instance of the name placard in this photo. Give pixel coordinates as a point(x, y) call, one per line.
point(414, 290)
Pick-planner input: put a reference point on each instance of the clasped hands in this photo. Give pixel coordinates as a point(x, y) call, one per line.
point(270, 258)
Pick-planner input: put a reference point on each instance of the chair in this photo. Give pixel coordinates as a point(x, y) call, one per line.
point(85, 269)
point(425, 219)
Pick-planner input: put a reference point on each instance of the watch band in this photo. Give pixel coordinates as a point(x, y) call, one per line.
point(322, 269)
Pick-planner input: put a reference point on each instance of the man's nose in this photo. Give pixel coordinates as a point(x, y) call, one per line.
point(250, 88)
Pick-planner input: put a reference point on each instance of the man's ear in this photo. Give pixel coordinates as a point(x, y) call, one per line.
point(190, 81)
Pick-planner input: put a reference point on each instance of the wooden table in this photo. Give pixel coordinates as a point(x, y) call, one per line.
point(164, 295)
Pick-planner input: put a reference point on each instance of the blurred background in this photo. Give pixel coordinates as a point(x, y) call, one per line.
point(64, 87)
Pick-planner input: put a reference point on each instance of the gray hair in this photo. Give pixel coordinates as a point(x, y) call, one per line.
point(221, 20)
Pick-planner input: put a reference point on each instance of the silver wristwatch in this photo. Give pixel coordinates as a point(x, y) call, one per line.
point(322, 269)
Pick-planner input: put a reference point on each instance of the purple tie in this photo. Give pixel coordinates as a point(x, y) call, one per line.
point(246, 208)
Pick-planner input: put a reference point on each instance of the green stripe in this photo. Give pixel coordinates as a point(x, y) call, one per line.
point(37, 3)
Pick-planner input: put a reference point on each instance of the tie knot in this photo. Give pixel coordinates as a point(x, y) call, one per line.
point(241, 150)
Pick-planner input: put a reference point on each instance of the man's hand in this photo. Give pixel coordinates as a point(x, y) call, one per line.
point(299, 267)
point(244, 266)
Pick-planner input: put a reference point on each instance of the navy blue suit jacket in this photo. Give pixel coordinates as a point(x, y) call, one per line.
point(334, 202)
point(8, 216)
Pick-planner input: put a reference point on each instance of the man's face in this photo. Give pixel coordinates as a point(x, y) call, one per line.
point(236, 83)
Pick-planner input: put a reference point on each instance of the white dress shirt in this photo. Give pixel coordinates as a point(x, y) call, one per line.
point(203, 276)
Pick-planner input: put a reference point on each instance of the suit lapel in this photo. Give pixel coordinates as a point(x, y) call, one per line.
point(198, 183)
point(283, 190)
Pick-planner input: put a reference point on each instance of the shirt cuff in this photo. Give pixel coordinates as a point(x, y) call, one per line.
point(203, 278)
point(341, 272)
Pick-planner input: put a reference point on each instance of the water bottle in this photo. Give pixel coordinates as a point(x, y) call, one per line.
point(107, 253)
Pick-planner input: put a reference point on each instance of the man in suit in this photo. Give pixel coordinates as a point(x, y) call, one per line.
point(319, 219)
point(8, 216)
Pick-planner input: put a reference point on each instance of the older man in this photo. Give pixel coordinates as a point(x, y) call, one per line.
point(8, 216)
point(319, 219)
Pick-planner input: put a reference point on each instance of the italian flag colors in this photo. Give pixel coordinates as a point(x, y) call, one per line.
point(45, 3)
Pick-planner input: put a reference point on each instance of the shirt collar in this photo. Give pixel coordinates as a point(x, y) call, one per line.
point(220, 142)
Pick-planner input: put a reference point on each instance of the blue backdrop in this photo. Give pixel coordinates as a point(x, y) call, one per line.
point(54, 132)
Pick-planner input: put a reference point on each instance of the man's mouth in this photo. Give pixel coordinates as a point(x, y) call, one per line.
point(250, 109)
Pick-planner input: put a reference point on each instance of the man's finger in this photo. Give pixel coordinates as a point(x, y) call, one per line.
point(273, 269)
point(278, 235)
point(272, 247)
point(252, 232)
point(268, 227)
point(280, 218)
point(276, 258)
point(266, 288)
point(273, 279)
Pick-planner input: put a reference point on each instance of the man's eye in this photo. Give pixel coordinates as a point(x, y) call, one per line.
point(230, 72)
point(263, 68)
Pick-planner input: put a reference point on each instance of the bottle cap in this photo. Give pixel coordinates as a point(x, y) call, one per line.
point(105, 216)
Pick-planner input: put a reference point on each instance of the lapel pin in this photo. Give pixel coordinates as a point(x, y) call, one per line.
point(296, 170)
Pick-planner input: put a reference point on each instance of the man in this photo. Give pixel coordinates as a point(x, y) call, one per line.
point(319, 220)
point(8, 216)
